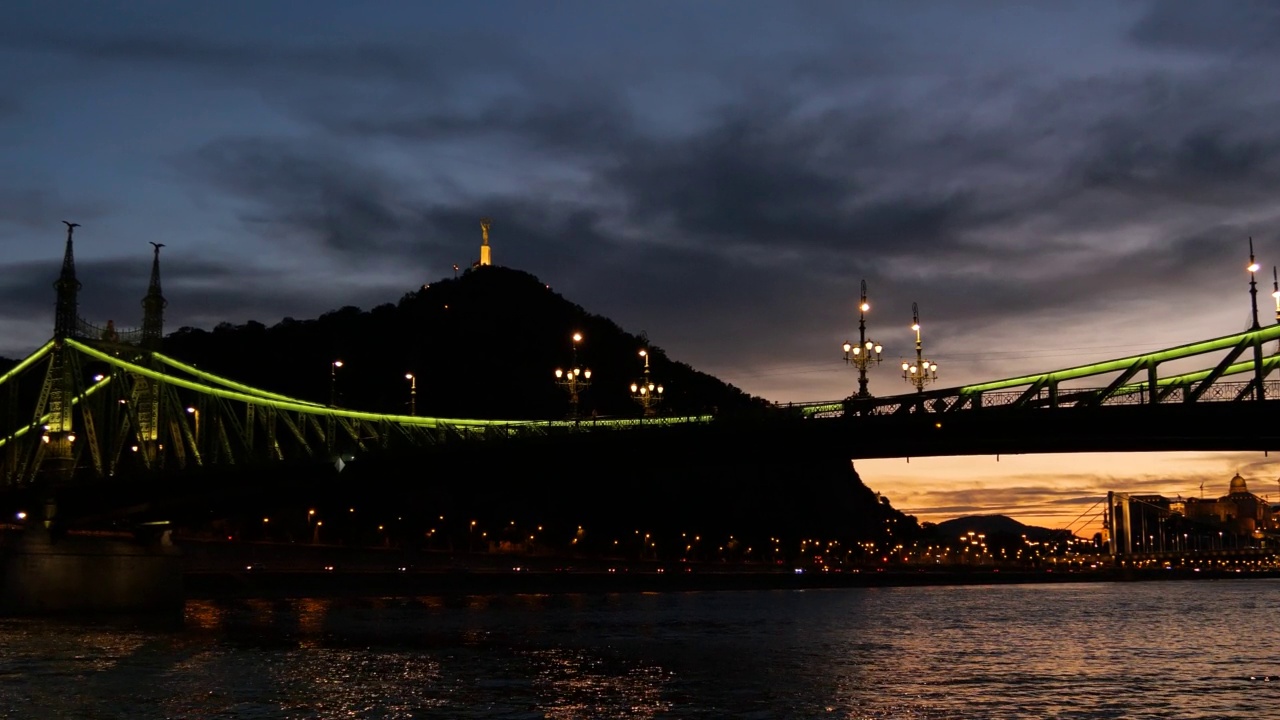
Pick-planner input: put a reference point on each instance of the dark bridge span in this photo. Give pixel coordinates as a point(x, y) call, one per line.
point(1239, 426)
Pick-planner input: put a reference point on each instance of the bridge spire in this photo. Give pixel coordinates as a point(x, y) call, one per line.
point(153, 306)
point(67, 286)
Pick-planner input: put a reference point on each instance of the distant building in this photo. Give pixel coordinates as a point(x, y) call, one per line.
point(1154, 523)
point(1239, 510)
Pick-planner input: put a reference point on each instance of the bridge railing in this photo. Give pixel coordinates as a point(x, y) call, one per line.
point(955, 401)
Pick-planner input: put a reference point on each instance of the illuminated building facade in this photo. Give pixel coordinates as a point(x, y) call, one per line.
point(1239, 510)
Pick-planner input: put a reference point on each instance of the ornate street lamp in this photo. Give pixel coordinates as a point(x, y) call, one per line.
point(645, 391)
point(575, 379)
point(866, 352)
point(922, 372)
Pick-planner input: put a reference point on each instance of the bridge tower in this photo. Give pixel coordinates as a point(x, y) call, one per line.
point(1120, 539)
point(54, 461)
point(146, 392)
point(153, 306)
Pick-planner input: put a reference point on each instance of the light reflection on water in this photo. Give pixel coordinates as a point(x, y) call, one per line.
point(1164, 649)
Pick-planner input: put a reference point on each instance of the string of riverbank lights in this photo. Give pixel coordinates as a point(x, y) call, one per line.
point(574, 379)
point(645, 391)
point(922, 372)
point(867, 352)
point(893, 543)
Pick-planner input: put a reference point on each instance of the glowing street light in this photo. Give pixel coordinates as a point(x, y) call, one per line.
point(413, 393)
point(866, 352)
point(333, 382)
point(194, 412)
point(1253, 284)
point(575, 379)
point(922, 372)
point(645, 391)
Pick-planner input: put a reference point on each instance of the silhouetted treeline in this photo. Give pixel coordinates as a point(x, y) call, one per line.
point(484, 345)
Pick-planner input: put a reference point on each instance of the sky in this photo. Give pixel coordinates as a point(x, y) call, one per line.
point(1053, 183)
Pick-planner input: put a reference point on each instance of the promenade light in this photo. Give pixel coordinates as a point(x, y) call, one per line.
point(866, 352)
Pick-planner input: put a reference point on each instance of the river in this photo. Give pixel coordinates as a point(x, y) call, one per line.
point(1184, 649)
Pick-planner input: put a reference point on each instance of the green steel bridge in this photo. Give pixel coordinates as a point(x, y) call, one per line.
point(97, 402)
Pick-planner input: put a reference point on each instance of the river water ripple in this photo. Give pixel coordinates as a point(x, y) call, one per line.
point(1204, 649)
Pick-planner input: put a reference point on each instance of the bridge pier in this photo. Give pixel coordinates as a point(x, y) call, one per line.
point(42, 574)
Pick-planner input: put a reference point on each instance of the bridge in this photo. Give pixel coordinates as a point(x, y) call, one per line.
point(101, 403)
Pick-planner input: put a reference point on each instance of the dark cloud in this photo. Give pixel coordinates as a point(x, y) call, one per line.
point(292, 187)
point(989, 193)
point(1236, 28)
point(1206, 166)
point(249, 60)
point(35, 208)
point(201, 293)
point(763, 214)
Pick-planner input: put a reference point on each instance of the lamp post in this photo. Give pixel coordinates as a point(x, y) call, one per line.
point(333, 382)
point(1253, 284)
point(575, 379)
point(1260, 390)
point(194, 412)
point(866, 352)
point(413, 392)
point(922, 372)
point(645, 391)
point(331, 426)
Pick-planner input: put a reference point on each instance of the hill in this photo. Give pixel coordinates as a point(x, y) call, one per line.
point(483, 345)
point(992, 526)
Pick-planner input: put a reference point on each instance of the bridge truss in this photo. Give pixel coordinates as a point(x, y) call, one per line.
point(105, 409)
point(1136, 381)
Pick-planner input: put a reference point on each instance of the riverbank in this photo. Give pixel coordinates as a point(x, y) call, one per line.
point(271, 584)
